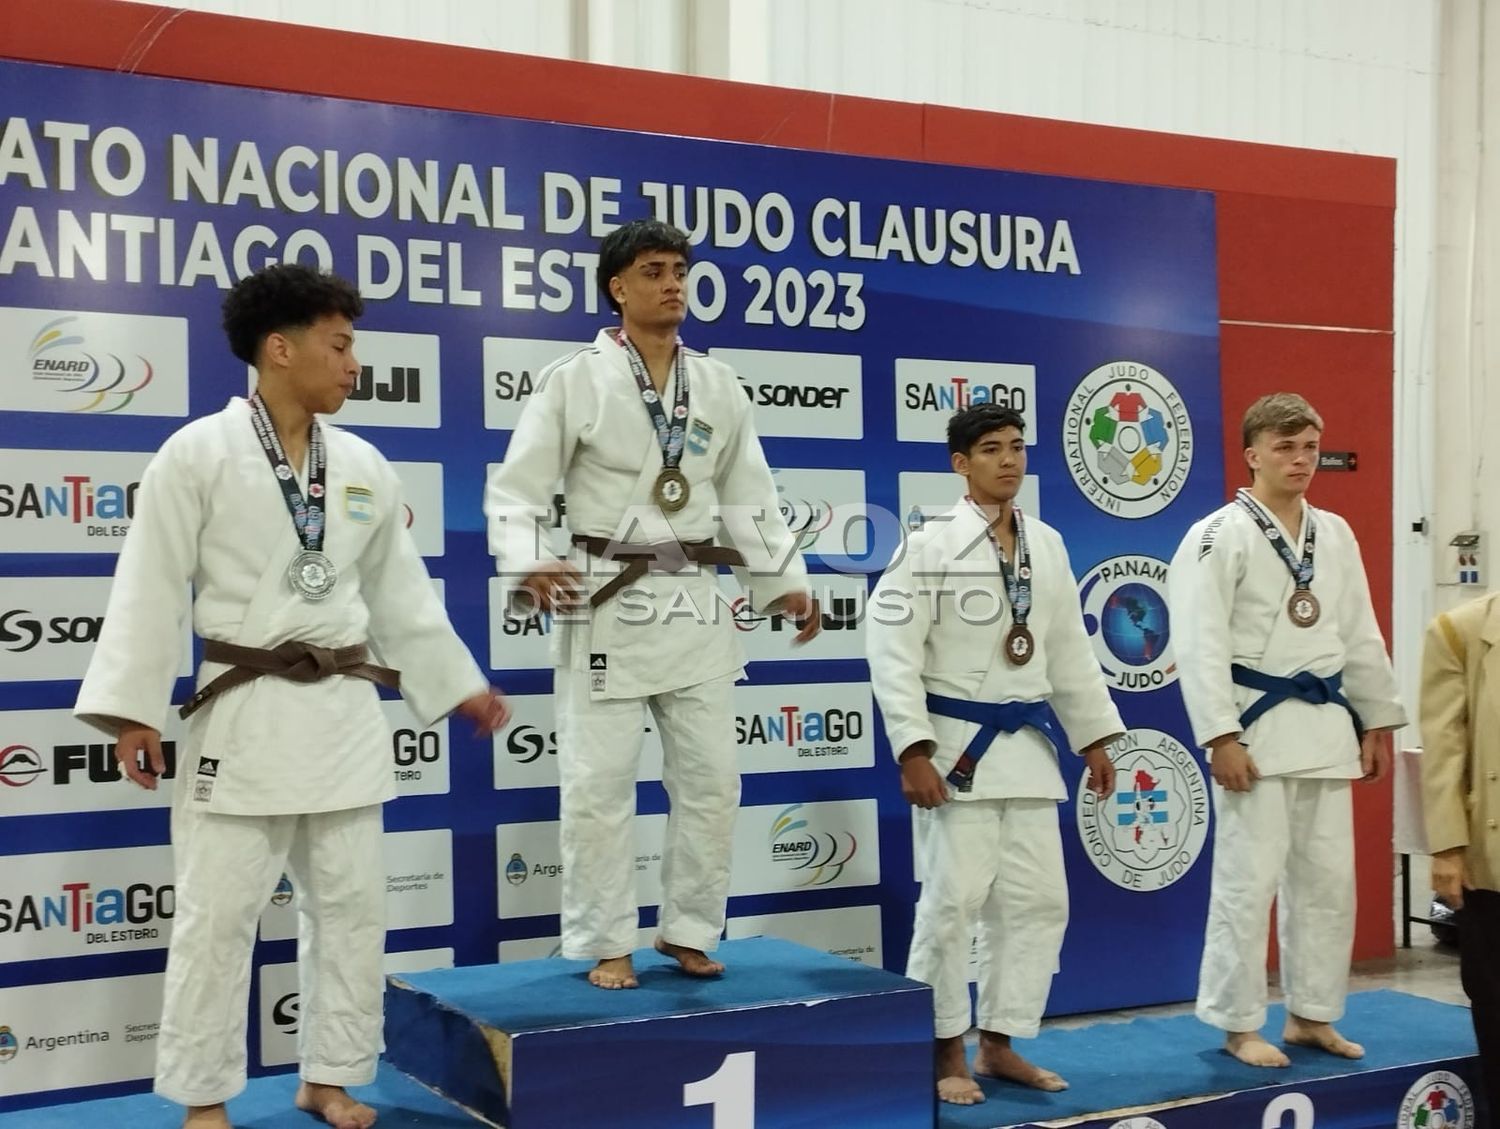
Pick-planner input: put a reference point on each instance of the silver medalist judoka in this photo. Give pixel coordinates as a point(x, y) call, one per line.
point(291, 533)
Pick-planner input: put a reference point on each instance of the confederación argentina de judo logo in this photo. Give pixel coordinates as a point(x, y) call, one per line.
point(1127, 439)
point(1151, 831)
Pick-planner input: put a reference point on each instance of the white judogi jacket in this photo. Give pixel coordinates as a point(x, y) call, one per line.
point(937, 620)
point(1228, 590)
point(210, 512)
point(586, 424)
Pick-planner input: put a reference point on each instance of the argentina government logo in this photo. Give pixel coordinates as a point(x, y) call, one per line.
point(1151, 831)
point(1437, 1100)
point(1125, 614)
point(1127, 439)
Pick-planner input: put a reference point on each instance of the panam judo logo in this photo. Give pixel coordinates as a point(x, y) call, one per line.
point(815, 858)
point(98, 382)
point(1127, 439)
point(1439, 1100)
point(9, 1044)
point(1152, 830)
point(1125, 613)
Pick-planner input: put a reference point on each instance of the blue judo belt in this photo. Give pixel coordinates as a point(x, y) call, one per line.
point(1304, 687)
point(994, 718)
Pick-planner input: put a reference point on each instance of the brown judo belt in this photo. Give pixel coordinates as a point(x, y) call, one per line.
point(294, 661)
point(670, 556)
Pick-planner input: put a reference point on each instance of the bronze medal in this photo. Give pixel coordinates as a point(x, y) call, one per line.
point(1303, 608)
point(671, 491)
point(1019, 644)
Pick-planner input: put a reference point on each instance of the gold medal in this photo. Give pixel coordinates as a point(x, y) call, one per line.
point(1303, 608)
point(671, 491)
point(1019, 644)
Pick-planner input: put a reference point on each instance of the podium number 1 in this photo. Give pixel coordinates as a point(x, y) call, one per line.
point(730, 1090)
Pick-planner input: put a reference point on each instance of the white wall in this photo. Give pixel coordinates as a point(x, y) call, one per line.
point(1353, 75)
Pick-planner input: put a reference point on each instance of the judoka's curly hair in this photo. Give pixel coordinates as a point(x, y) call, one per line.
point(969, 426)
point(624, 245)
point(286, 296)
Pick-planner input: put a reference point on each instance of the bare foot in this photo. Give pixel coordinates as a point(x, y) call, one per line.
point(694, 962)
point(614, 972)
point(206, 1117)
point(996, 1059)
point(1301, 1032)
point(955, 1084)
point(1252, 1050)
point(334, 1106)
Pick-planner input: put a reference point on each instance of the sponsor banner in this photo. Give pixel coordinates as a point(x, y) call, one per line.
point(929, 392)
point(530, 865)
point(50, 762)
point(801, 395)
point(78, 1033)
point(281, 1000)
point(399, 382)
point(825, 510)
point(49, 624)
point(525, 751)
point(68, 501)
point(419, 755)
point(842, 601)
point(852, 932)
point(1127, 439)
point(804, 726)
point(75, 361)
point(1151, 831)
point(78, 903)
point(1125, 613)
point(422, 486)
point(547, 948)
point(512, 366)
point(925, 494)
point(419, 886)
point(779, 848)
point(517, 644)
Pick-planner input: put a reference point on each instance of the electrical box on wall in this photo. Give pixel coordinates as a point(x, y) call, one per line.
point(1466, 559)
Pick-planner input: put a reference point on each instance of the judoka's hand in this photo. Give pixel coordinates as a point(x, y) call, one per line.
point(556, 587)
point(1450, 874)
point(488, 710)
point(920, 782)
point(1232, 765)
point(802, 609)
point(1101, 771)
point(132, 742)
point(1374, 755)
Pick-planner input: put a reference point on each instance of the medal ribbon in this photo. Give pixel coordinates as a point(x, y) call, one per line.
point(1302, 572)
point(670, 435)
point(307, 512)
point(1018, 579)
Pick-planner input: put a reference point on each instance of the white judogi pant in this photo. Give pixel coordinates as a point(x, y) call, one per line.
point(598, 753)
point(1296, 834)
point(997, 865)
point(227, 867)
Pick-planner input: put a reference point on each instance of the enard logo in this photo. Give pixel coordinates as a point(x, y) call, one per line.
point(100, 382)
point(818, 857)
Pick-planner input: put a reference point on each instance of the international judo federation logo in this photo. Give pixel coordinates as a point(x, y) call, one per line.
point(1127, 439)
point(9, 1044)
point(515, 870)
point(1138, 1123)
point(1151, 831)
point(1125, 613)
point(815, 858)
point(1439, 1100)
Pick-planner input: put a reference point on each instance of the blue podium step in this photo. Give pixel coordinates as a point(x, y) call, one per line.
point(787, 1038)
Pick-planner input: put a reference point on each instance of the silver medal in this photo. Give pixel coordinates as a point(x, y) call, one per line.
point(312, 575)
